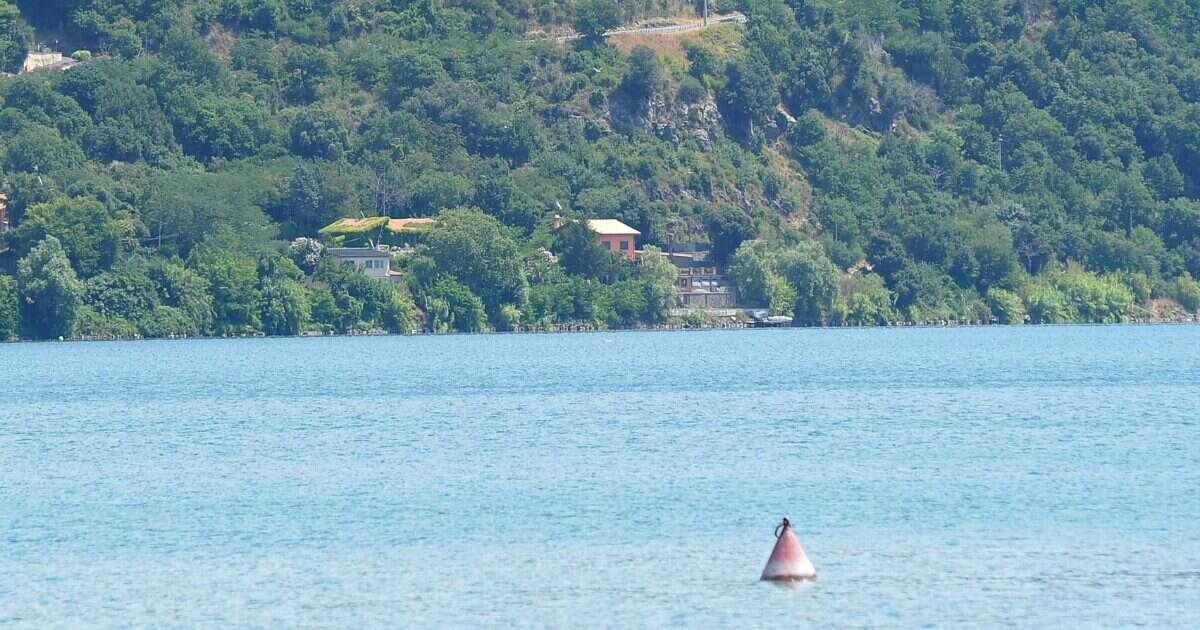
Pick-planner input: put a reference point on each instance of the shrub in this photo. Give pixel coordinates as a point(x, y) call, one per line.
point(306, 253)
point(1047, 305)
point(1096, 299)
point(167, 321)
point(1185, 290)
point(691, 90)
point(863, 300)
point(92, 324)
point(1006, 306)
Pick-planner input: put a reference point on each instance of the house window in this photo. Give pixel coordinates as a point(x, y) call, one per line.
point(624, 245)
point(607, 244)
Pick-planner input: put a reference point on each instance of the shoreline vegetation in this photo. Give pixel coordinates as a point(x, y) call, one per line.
point(840, 163)
point(564, 330)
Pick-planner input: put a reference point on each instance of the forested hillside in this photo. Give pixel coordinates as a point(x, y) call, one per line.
point(850, 161)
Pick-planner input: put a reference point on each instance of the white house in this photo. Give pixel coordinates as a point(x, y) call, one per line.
point(46, 61)
point(372, 262)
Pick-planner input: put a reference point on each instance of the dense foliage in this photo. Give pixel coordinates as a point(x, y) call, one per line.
point(852, 162)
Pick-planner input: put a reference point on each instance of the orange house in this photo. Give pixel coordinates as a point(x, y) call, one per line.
point(615, 236)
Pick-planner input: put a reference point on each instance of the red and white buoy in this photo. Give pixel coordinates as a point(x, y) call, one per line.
point(788, 562)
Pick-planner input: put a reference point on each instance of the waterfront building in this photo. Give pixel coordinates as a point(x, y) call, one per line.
point(615, 236)
point(701, 282)
point(372, 262)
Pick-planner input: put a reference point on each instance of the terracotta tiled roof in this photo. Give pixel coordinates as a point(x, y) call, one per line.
point(400, 225)
point(611, 227)
point(366, 224)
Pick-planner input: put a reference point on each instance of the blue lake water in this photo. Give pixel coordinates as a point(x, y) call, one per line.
point(951, 477)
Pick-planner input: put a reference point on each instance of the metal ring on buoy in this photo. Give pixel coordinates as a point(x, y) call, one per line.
point(788, 562)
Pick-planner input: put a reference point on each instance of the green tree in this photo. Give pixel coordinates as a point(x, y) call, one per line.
point(187, 292)
point(644, 75)
point(317, 133)
point(130, 124)
point(580, 253)
point(91, 235)
point(659, 275)
point(750, 93)
point(815, 279)
point(411, 70)
point(10, 310)
point(594, 18)
point(863, 300)
point(317, 195)
point(435, 191)
point(359, 300)
point(126, 291)
point(808, 130)
point(181, 210)
point(305, 68)
point(398, 313)
point(40, 149)
point(728, 227)
point(211, 125)
point(283, 306)
point(13, 40)
point(123, 39)
point(453, 307)
point(994, 258)
point(476, 250)
point(92, 324)
point(51, 294)
point(233, 281)
point(630, 304)
point(703, 61)
point(759, 282)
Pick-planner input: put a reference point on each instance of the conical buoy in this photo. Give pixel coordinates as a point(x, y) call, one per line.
point(788, 562)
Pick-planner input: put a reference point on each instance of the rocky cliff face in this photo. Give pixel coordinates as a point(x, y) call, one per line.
point(674, 121)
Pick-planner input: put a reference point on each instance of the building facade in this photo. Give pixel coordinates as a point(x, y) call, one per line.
point(35, 61)
point(701, 283)
point(372, 262)
point(615, 236)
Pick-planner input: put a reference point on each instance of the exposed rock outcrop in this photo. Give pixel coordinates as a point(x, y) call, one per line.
point(673, 121)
